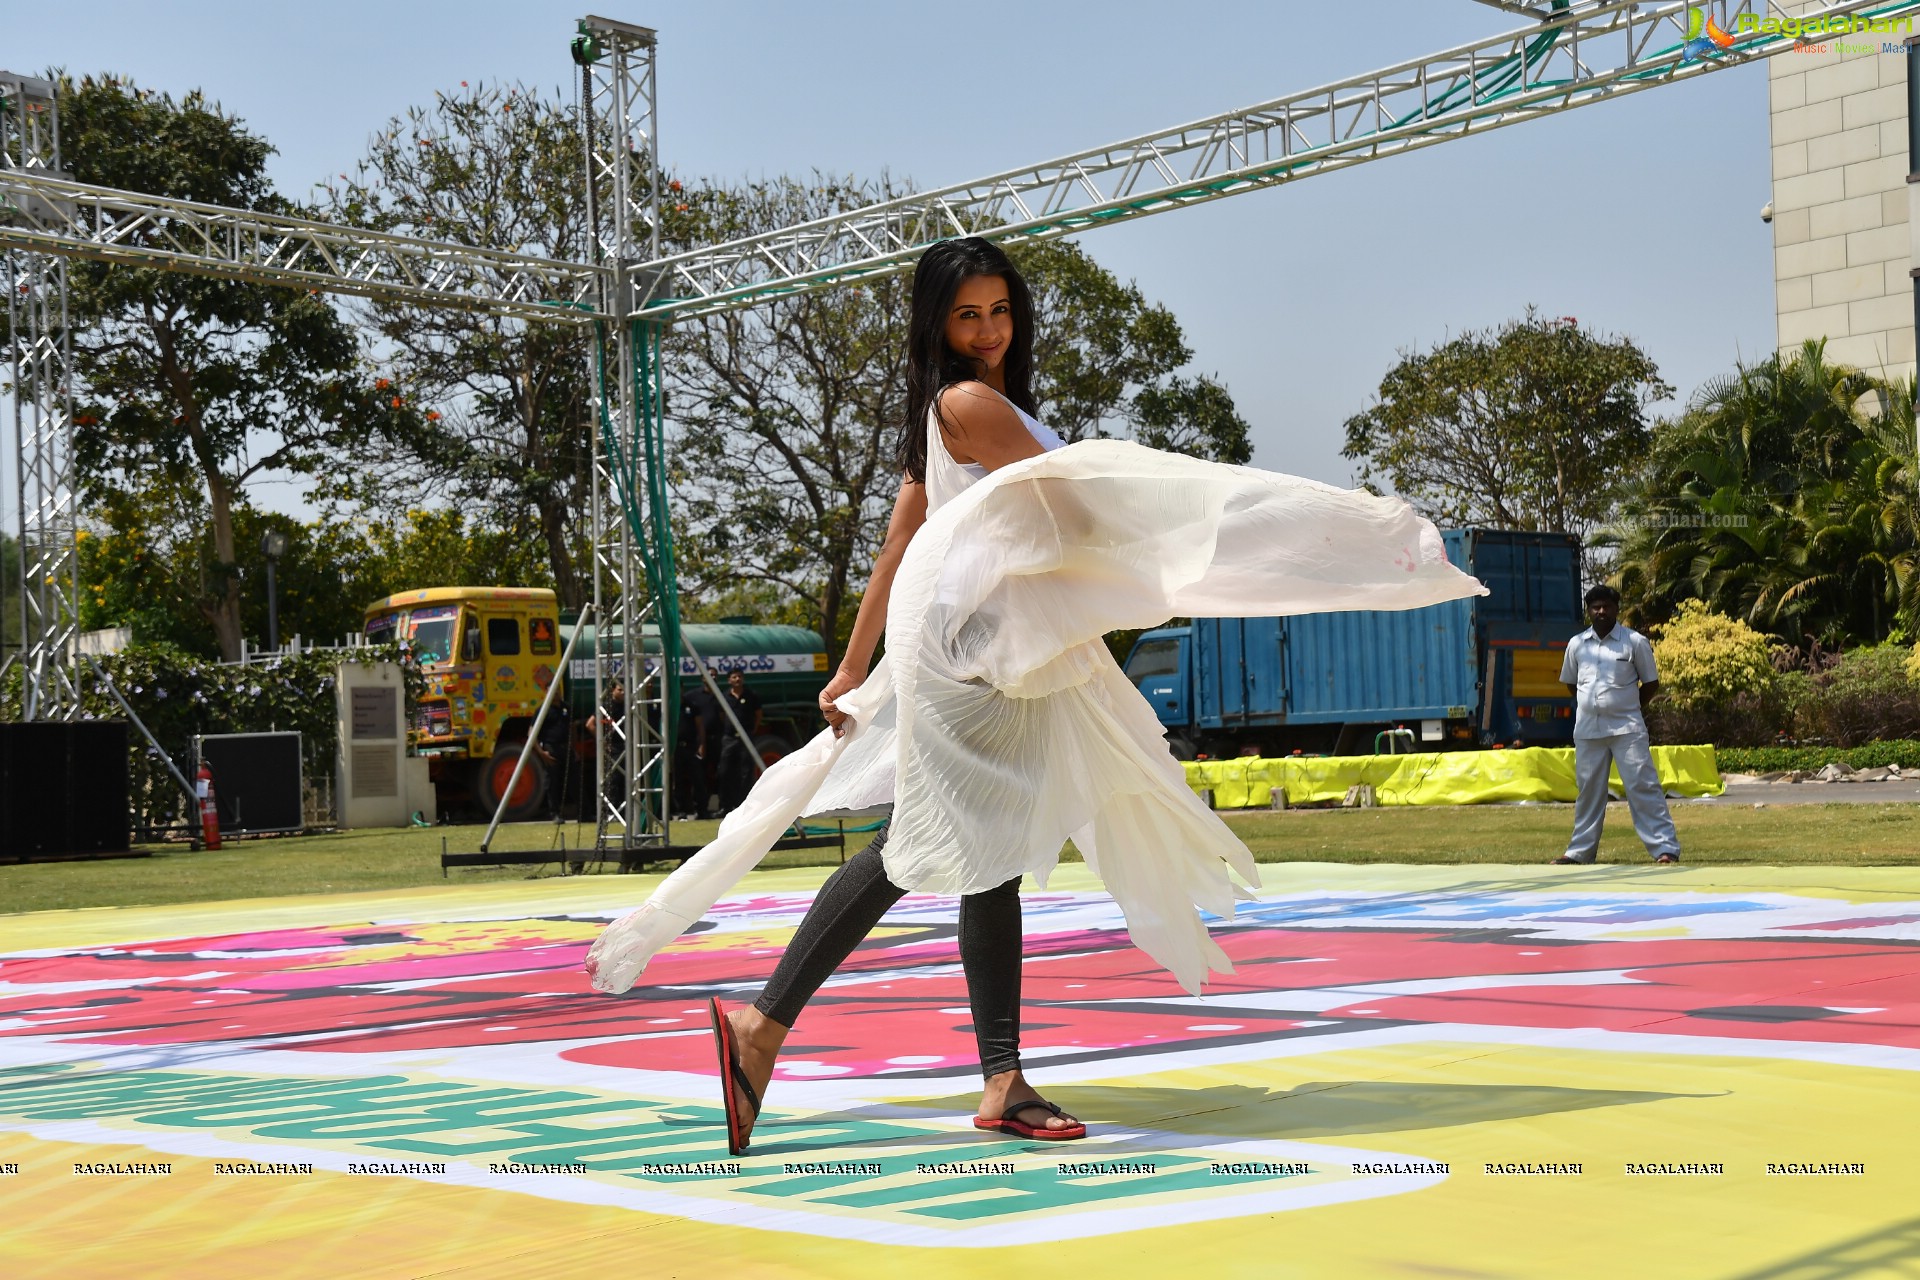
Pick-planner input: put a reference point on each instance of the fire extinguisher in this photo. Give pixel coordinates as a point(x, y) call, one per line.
point(209, 816)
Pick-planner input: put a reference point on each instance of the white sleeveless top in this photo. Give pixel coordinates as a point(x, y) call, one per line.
point(947, 479)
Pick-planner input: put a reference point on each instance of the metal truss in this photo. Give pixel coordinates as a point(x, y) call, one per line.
point(40, 212)
point(42, 391)
point(1542, 9)
point(634, 580)
point(1590, 52)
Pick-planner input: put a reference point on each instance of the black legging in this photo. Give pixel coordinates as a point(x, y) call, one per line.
point(852, 901)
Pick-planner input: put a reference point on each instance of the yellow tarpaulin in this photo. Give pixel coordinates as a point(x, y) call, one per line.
point(1434, 777)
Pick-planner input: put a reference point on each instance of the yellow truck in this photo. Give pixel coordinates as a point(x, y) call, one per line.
point(488, 655)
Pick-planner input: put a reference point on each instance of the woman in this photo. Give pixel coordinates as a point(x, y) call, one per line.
point(998, 724)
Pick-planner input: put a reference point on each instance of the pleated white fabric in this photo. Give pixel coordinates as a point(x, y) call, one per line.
point(999, 723)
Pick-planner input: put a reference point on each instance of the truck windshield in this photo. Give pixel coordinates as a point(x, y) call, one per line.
point(432, 641)
point(381, 630)
point(1154, 658)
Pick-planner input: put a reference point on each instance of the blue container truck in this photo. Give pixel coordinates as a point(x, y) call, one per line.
point(1465, 673)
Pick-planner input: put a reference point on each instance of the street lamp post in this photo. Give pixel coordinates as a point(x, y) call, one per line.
point(273, 545)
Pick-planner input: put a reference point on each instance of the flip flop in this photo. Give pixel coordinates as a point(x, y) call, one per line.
point(1007, 1124)
point(730, 1072)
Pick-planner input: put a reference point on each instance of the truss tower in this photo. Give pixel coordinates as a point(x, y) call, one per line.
point(48, 560)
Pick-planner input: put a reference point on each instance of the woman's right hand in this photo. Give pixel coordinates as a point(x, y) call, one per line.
point(844, 681)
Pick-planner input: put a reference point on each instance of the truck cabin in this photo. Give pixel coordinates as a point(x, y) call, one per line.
point(427, 633)
point(488, 654)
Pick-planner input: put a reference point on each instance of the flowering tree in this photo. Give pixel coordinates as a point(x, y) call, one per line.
point(510, 442)
point(192, 389)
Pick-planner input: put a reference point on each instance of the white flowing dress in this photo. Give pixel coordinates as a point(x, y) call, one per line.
point(998, 724)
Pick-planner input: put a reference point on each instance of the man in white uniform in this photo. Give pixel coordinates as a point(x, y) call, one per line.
point(1609, 670)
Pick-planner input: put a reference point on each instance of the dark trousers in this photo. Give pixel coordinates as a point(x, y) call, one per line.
point(852, 902)
point(690, 789)
point(736, 773)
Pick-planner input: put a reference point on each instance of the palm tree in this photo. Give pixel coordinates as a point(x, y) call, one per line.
point(1784, 495)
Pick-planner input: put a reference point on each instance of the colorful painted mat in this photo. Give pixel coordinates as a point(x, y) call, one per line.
point(1490, 1072)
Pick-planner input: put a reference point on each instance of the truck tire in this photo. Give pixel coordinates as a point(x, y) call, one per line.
point(1181, 748)
point(490, 782)
point(771, 747)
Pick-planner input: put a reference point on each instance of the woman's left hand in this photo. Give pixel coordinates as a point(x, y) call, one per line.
point(843, 682)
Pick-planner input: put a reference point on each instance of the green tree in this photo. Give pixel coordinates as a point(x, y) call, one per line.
point(1194, 416)
point(785, 417)
point(190, 389)
point(332, 569)
point(1106, 361)
point(444, 548)
point(496, 167)
point(1784, 495)
point(9, 597)
point(1538, 424)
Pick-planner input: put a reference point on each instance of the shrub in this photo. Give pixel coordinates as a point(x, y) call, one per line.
point(1709, 660)
point(1866, 696)
point(1904, 752)
point(1745, 721)
point(1797, 694)
point(1717, 681)
point(179, 696)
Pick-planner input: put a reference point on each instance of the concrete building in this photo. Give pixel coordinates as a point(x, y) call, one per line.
point(1841, 245)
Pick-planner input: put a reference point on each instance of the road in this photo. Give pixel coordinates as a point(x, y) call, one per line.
point(1905, 792)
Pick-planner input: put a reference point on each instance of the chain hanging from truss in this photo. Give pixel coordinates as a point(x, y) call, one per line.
point(42, 388)
point(634, 581)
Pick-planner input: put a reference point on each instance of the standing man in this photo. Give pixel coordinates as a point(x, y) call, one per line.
point(554, 746)
point(613, 736)
point(696, 749)
point(736, 765)
point(1610, 673)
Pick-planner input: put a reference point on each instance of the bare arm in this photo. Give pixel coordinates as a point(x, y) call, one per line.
point(979, 425)
point(909, 513)
point(976, 425)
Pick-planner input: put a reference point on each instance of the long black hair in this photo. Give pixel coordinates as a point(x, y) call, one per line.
point(931, 364)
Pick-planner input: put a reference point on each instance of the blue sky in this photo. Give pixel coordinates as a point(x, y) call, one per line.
point(1638, 216)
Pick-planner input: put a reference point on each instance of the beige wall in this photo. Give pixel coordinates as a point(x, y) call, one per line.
point(1840, 241)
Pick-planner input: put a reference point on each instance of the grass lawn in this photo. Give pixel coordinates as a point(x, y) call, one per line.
point(340, 862)
point(1851, 835)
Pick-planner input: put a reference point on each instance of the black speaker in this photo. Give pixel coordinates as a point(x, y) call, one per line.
point(63, 789)
point(256, 781)
point(97, 768)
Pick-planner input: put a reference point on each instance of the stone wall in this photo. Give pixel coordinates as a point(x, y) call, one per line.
point(1840, 239)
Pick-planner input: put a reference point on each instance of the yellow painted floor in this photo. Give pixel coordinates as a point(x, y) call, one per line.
point(1413, 1072)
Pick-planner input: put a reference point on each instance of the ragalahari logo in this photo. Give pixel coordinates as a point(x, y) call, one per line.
point(1705, 36)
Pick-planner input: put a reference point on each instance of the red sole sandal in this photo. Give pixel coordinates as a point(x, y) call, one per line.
point(1007, 1124)
point(731, 1075)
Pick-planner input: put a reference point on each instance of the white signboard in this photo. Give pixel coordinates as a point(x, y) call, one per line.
point(373, 745)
